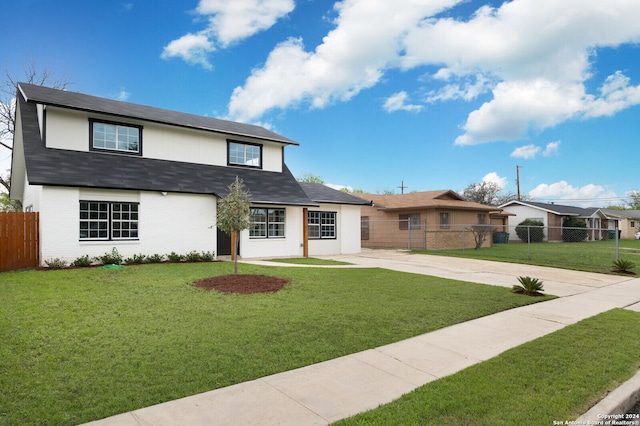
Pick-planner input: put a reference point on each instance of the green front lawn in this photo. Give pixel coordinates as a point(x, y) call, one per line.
point(594, 256)
point(557, 377)
point(79, 345)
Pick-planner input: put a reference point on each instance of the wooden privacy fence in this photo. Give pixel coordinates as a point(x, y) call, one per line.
point(19, 240)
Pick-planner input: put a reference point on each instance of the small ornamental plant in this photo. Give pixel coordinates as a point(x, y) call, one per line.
point(528, 286)
point(624, 266)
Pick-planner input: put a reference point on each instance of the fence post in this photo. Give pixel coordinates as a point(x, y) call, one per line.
point(529, 242)
point(617, 246)
point(408, 234)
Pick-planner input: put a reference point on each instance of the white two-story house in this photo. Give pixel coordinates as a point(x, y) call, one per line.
point(103, 174)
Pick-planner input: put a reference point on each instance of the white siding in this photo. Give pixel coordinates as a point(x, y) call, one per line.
point(347, 239)
point(68, 129)
point(175, 222)
point(290, 245)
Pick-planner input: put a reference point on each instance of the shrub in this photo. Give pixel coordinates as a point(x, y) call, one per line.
point(155, 258)
point(56, 263)
point(136, 259)
point(193, 256)
point(208, 256)
point(113, 258)
point(623, 265)
point(574, 230)
point(529, 286)
point(175, 257)
point(83, 261)
point(530, 231)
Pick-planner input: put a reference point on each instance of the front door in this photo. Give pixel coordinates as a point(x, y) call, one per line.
point(224, 243)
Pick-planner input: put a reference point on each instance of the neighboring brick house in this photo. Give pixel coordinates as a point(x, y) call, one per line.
point(431, 220)
point(553, 216)
point(104, 174)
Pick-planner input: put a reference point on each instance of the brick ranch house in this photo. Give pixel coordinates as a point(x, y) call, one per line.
point(428, 220)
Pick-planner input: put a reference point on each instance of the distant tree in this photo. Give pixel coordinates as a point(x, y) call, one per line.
point(634, 200)
point(488, 193)
point(8, 205)
point(352, 191)
point(233, 213)
point(310, 178)
point(8, 87)
point(386, 191)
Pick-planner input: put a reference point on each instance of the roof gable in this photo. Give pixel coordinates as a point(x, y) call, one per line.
point(82, 102)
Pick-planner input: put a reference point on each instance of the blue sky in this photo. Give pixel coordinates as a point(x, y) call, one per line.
point(436, 93)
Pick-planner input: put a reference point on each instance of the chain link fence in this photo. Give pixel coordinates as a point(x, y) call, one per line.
point(579, 246)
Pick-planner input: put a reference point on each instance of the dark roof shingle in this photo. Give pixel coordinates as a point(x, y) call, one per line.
point(59, 167)
point(79, 101)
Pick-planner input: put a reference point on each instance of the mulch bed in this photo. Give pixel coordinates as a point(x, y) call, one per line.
point(243, 283)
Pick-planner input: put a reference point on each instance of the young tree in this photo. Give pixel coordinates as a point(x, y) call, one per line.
point(634, 200)
point(8, 87)
point(233, 213)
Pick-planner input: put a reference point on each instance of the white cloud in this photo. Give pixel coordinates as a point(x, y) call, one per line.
point(527, 152)
point(339, 187)
point(587, 195)
point(231, 21)
point(551, 148)
point(532, 57)
point(122, 95)
point(397, 102)
point(228, 23)
point(493, 177)
point(352, 57)
point(192, 48)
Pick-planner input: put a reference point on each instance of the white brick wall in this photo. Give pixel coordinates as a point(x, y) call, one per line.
point(175, 222)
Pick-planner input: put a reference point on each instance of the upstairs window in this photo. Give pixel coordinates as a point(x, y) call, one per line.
point(106, 136)
point(244, 154)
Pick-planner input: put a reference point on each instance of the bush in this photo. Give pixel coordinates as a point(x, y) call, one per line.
point(83, 261)
point(193, 256)
point(175, 257)
point(529, 286)
point(155, 258)
point(113, 258)
point(208, 256)
point(530, 231)
point(574, 230)
point(56, 263)
point(136, 259)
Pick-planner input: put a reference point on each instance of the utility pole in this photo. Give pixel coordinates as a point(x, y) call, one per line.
point(518, 180)
point(402, 187)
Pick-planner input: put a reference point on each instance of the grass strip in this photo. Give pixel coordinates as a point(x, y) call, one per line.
point(593, 256)
point(557, 377)
point(310, 261)
point(84, 344)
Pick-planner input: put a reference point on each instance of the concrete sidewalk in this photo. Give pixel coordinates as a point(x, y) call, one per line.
point(325, 392)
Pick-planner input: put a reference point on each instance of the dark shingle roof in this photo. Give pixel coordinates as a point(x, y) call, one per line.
point(323, 194)
point(59, 167)
point(79, 101)
point(558, 209)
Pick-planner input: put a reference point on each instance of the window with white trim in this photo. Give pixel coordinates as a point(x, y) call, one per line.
point(322, 225)
point(267, 223)
point(244, 154)
point(108, 136)
point(103, 220)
